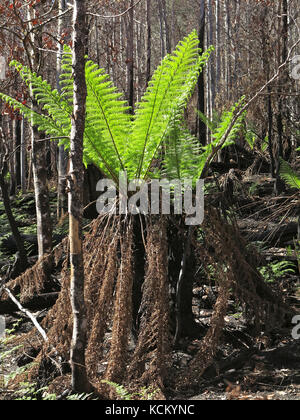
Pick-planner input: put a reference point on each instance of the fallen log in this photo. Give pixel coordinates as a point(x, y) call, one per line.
point(272, 234)
point(36, 303)
point(279, 254)
point(236, 362)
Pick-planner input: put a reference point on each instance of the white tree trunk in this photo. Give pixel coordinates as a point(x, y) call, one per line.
point(80, 381)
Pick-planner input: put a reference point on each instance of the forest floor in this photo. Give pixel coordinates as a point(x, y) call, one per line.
point(266, 367)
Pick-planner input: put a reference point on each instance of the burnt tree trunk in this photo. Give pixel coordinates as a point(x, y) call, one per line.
point(16, 154)
point(201, 86)
point(162, 35)
point(62, 162)
point(149, 37)
point(282, 108)
point(23, 158)
point(22, 262)
point(166, 25)
point(185, 265)
point(269, 105)
point(139, 254)
point(80, 381)
point(130, 57)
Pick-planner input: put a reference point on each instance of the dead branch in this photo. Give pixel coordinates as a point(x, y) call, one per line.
point(27, 313)
point(35, 303)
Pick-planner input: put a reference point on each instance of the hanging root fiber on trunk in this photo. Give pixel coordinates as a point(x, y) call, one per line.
point(236, 275)
point(122, 318)
point(36, 279)
point(112, 354)
point(150, 359)
point(263, 306)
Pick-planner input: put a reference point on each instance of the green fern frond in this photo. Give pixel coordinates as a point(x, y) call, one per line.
point(167, 95)
point(183, 155)
point(251, 138)
point(219, 131)
point(66, 81)
point(288, 175)
point(50, 100)
point(108, 122)
point(225, 123)
point(112, 140)
point(42, 122)
point(209, 124)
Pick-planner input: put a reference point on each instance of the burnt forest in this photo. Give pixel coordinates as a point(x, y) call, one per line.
point(149, 202)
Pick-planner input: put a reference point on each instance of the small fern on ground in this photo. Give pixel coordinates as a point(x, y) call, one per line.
point(288, 175)
point(277, 270)
point(124, 394)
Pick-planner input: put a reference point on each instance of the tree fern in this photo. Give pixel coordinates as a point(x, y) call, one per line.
point(288, 175)
point(113, 140)
point(167, 94)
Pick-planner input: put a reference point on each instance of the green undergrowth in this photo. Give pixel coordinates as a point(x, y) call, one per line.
point(23, 208)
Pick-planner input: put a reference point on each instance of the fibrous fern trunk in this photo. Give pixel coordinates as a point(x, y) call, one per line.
point(122, 322)
point(150, 358)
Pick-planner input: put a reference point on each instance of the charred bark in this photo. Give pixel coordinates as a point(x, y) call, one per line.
point(149, 38)
point(139, 259)
point(62, 163)
point(130, 57)
point(186, 325)
point(201, 87)
point(22, 260)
